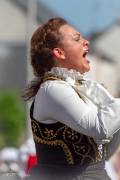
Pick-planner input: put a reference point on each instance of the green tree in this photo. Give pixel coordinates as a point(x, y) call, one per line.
point(12, 118)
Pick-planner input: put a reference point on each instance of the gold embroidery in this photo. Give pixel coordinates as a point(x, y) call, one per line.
point(49, 133)
point(71, 136)
point(98, 158)
point(34, 128)
point(51, 77)
point(46, 134)
point(82, 149)
point(55, 142)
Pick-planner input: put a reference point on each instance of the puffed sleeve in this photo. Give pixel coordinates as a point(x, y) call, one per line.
point(113, 145)
point(108, 106)
point(109, 109)
point(59, 101)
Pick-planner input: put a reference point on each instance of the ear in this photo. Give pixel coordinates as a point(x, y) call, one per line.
point(58, 53)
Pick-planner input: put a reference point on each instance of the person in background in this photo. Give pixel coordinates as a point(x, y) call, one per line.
point(31, 162)
point(75, 121)
point(113, 165)
point(116, 163)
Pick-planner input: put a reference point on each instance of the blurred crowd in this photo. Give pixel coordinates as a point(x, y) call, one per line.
point(18, 161)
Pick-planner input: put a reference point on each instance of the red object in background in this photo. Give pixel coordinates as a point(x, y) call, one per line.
point(32, 161)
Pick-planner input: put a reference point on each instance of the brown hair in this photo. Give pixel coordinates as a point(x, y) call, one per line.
point(44, 39)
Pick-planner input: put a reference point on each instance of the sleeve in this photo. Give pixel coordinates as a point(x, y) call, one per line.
point(113, 145)
point(108, 109)
point(108, 106)
point(61, 102)
point(97, 93)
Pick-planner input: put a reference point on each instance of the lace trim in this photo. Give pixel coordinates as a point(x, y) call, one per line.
point(65, 73)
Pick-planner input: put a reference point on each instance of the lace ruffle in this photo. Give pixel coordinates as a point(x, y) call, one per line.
point(65, 73)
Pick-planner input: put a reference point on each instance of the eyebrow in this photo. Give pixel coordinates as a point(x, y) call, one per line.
point(77, 34)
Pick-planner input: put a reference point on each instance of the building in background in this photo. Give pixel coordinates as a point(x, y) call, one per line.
point(106, 48)
point(17, 22)
point(12, 46)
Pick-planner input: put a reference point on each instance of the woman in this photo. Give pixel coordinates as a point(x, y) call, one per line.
point(73, 119)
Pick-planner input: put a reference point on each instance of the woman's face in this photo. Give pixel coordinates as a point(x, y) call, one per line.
point(75, 49)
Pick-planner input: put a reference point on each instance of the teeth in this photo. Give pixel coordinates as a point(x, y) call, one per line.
point(84, 49)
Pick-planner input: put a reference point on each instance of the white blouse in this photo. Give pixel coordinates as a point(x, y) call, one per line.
point(97, 117)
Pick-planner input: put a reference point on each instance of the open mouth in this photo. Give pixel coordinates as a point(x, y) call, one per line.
point(85, 53)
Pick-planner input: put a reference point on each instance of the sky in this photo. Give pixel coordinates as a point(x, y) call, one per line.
point(86, 15)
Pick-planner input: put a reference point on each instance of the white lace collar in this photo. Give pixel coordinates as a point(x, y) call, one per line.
point(66, 73)
point(71, 76)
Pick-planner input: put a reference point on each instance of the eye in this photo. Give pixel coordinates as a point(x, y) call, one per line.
point(77, 38)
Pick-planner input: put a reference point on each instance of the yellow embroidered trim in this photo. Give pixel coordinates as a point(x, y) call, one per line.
point(86, 155)
point(57, 143)
point(51, 77)
point(98, 158)
point(50, 134)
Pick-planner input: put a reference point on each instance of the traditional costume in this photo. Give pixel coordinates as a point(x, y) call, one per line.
point(75, 124)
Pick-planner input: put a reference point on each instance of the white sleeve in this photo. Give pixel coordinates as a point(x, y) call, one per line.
point(113, 145)
point(96, 92)
point(60, 102)
point(108, 106)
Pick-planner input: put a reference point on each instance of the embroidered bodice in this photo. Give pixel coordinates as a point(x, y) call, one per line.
point(57, 143)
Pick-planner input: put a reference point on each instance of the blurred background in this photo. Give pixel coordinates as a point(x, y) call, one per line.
point(97, 20)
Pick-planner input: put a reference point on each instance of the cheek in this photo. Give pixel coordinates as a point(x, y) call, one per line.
point(73, 56)
point(73, 52)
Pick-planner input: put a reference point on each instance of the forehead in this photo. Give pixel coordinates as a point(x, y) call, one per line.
point(66, 30)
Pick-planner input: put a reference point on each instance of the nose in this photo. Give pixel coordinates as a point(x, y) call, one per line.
point(85, 42)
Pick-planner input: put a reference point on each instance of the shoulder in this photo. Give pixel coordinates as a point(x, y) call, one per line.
point(57, 88)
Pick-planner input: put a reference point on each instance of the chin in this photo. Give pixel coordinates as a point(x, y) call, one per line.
point(87, 70)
